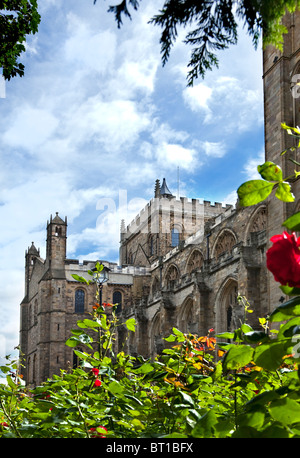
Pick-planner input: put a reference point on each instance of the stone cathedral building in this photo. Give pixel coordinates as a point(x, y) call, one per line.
point(182, 261)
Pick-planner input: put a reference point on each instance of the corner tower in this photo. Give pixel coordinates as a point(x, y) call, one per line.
point(56, 244)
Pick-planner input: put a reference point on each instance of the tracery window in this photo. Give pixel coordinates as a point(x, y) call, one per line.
point(172, 277)
point(259, 221)
point(195, 261)
point(225, 243)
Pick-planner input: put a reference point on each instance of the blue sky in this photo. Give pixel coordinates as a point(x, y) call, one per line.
point(96, 120)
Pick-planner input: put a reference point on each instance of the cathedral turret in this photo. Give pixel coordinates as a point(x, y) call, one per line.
point(30, 257)
point(164, 190)
point(56, 242)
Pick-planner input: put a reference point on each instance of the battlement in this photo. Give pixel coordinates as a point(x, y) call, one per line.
point(182, 207)
point(74, 265)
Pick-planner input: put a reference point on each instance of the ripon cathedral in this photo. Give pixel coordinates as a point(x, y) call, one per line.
point(182, 261)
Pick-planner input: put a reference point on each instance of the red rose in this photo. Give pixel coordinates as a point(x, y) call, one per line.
point(283, 259)
point(95, 371)
point(97, 382)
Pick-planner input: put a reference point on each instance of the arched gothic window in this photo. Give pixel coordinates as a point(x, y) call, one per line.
point(117, 299)
point(172, 277)
point(195, 261)
point(79, 301)
point(224, 244)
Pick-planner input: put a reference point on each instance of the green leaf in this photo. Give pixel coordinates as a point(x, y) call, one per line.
point(284, 193)
point(171, 338)
point(269, 356)
point(290, 290)
point(115, 388)
point(144, 369)
point(10, 382)
point(286, 411)
point(88, 324)
point(237, 357)
point(179, 335)
point(287, 329)
point(294, 131)
point(274, 431)
point(253, 419)
point(187, 398)
point(79, 278)
point(287, 310)
point(205, 426)
point(255, 336)
point(270, 171)
point(82, 339)
point(103, 321)
point(254, 191)
point(130, 324)
point(82, 355)
point(226, 335)
point(293, 222)
point(99, 267)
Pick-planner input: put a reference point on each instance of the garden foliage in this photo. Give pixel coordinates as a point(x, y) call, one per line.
point(240, 384)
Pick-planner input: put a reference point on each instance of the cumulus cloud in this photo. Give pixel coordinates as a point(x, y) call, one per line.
point(250, 167)
point(175, 154)
point(30, 127)
point(228, 101)
point(214, 149)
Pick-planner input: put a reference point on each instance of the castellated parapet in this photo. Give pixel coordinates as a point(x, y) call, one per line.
point(187, 212)
point(165, 222)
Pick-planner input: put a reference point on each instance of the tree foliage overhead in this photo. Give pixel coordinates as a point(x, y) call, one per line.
point(18, 18)
point(213, 26)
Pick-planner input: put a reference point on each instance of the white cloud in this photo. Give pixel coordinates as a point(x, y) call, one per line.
point(198, 96)
point(250, 167)
point(89, 50)
point(214, 149)
point(227, 101)
point(30, 127)
point(174, 155)
point(230, 198)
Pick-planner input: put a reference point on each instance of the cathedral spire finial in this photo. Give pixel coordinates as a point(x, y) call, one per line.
point(164, 190)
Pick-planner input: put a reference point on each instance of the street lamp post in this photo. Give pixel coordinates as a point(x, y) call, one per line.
point(101, 275)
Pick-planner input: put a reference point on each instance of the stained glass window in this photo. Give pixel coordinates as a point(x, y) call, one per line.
point(79, 301)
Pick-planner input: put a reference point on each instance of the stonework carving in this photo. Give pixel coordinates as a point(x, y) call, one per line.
point(260, 221)
point(224, 244)
point(195, 261)
point(172, 277)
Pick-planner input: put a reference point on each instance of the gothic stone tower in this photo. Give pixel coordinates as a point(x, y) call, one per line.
point(163, 224)
point(281, 72)
point(52, 305)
